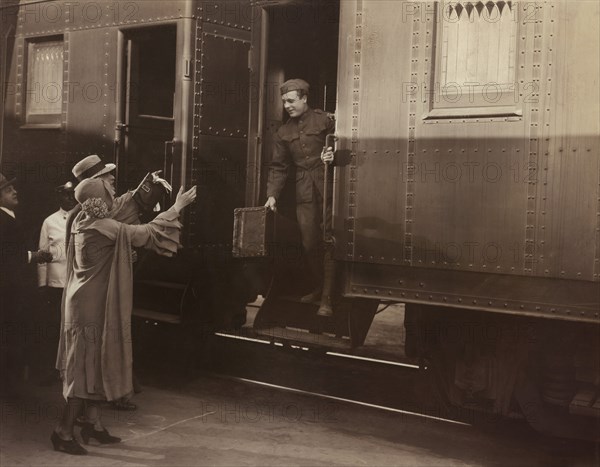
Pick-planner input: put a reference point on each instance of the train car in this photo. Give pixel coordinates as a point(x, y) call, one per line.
point(149, 85)
point(466, 186)
point(466, 181)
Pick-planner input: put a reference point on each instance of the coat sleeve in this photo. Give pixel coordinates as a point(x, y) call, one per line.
point(161, 235)
point(279, 167)
point(13, 250)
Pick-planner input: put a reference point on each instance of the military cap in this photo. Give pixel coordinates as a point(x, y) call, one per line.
point(294, 85)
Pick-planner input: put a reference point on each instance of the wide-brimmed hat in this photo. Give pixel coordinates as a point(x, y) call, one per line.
point(92, 188)
point(4, 182)
point(91, 166)
point(94, 198)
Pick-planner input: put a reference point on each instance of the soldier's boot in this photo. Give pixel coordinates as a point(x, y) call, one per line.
point(313, 297)
point(316, 268)
point(326, 309)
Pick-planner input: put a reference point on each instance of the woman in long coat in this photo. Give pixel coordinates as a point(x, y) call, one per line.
point(95, 355)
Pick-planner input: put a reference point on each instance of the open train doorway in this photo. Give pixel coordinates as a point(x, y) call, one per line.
point(297, 39)
point(289, 40)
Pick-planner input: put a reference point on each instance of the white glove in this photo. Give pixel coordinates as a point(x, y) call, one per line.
point(162, 181)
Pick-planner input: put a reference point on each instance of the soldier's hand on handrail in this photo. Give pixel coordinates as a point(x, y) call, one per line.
point(327, 155)
point(271, 204)
point(184, 198)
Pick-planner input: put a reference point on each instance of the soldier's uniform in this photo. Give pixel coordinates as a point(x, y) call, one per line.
point(298, 144)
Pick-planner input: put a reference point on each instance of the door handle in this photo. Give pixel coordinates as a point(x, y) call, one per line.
point(168, 161)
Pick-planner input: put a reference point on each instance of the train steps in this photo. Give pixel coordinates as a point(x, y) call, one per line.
point(286, 319)
point(154, 299)
point(586, 402)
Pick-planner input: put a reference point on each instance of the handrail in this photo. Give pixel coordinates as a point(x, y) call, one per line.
point(327, 226)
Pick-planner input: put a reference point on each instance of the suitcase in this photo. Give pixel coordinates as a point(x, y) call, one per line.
point(253, 231)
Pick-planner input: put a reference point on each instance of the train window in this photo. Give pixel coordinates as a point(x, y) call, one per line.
point(475, 59)
point(44, 96)
point(156, 79)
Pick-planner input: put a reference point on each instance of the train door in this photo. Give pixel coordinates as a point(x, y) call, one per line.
point(147, 128)
point(294, 40)
point(149, 88)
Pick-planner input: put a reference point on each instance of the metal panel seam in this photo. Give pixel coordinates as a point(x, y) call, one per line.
point(411, 143)
point(352, 198)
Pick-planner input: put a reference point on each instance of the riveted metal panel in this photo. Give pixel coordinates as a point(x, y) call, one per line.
point(348, 88)
point(381, 135)
point(571, 195)
point(92, 53)
point(220, 126)
point(34, 152)
point(224, 84)
point(527, 296)
point(52, 17)
point(502, 211)
point(233, 14)
point(220, 178)
point(471, 179)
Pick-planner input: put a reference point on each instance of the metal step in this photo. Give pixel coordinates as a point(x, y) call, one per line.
point(303, 337)
point(586, 402)
point(156, 316)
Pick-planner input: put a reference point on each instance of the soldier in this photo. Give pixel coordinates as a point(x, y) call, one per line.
point(299, 144)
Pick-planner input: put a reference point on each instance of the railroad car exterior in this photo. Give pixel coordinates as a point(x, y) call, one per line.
point(467, 185)
point(472, 182)
point(480, 140)
point(149, 85)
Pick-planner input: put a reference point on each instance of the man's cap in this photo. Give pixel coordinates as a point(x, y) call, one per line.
point(67, 187)
point(294, 85)
point(91, 166)
point(4, 182)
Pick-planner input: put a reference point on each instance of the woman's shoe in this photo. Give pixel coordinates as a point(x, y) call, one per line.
point(70, 447)
point(103, 437)
point(123, 404)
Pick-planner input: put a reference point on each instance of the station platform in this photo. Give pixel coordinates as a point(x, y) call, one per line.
point(213, 420)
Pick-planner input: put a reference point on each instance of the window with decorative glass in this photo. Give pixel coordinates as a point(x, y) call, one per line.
point(44, 94)
point(475, 59)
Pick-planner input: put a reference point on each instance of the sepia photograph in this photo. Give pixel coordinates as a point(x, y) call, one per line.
point(299, 233)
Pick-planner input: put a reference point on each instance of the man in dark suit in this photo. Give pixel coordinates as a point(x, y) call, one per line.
point(300, 144)
point(15, 259)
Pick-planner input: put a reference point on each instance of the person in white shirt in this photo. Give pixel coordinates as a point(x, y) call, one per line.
point(52, 276)
point(52, 238)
